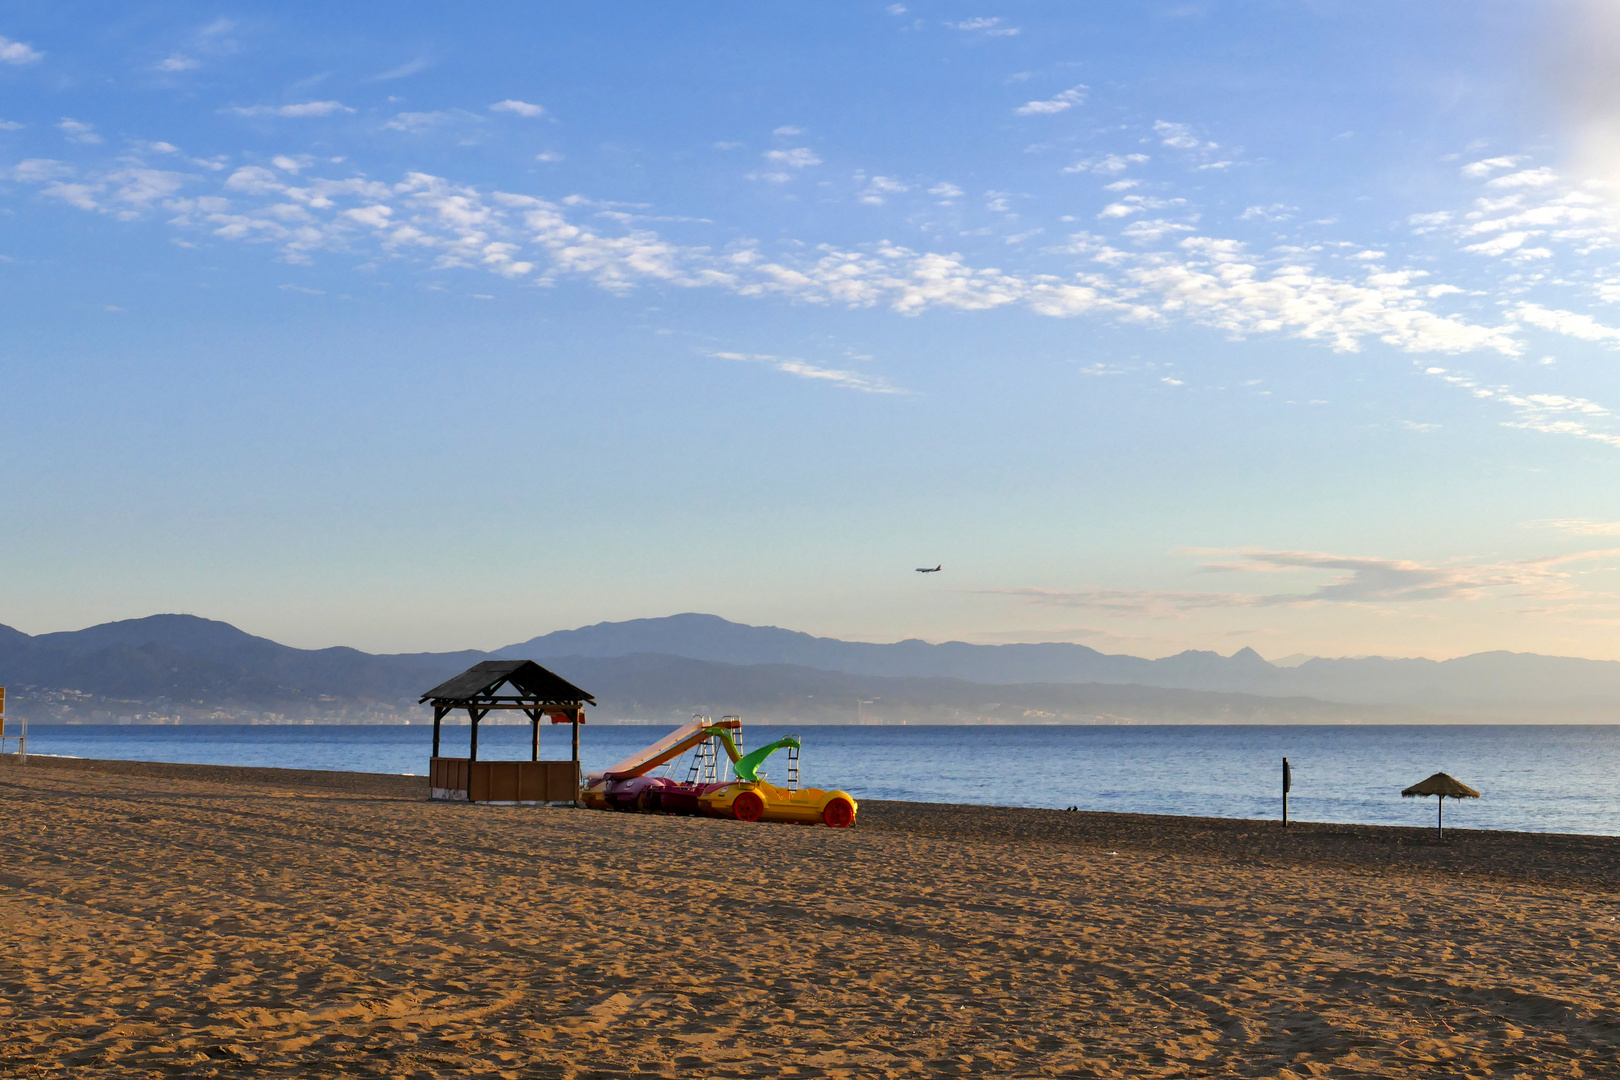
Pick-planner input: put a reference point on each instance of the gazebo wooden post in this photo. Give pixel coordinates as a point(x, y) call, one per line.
point(438, 717)
point(534, 734)
point(576, 735)
point(477, 715)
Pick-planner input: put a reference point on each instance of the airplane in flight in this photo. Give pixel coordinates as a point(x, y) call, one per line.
point(930, 569)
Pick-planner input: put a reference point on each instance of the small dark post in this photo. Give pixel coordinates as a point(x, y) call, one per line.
point(473, 756)
point(576, 735)
point(1440, 818)
point(534, 736)
point(1288, 782)
point(438, 716)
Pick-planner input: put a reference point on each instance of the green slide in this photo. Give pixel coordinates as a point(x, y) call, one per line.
point(748, 765)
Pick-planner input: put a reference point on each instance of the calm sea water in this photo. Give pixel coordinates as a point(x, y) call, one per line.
point(1543, 779)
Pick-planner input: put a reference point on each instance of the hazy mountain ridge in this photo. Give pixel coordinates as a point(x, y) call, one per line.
point(661, 668)
point(1488, 681)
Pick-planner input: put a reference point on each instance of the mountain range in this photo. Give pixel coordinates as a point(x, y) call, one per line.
point(182, 666)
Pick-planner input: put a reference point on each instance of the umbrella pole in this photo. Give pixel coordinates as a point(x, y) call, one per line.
point(1440, 818)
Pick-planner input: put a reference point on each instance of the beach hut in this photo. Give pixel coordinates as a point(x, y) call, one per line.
point(538, 694)
point(1443, 787)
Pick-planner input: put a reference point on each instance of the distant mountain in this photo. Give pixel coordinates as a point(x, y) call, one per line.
point(203, 669)
point(709, 637)
point(1491, 685)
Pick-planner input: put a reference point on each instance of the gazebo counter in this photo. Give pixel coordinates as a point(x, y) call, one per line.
point(507, 783)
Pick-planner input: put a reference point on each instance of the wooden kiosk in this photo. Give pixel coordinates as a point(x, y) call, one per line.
point(538, 693)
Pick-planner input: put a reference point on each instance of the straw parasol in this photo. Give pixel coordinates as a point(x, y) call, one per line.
point(1443, 786)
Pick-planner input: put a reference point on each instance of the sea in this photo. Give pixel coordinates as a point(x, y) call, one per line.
point(1563, 779)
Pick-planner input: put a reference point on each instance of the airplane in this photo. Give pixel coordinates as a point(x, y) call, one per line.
point(930, 569)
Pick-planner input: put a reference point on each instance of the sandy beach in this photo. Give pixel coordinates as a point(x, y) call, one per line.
point(168, 920)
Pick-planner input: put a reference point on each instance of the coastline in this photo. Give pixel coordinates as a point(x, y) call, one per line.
point(1580, 859)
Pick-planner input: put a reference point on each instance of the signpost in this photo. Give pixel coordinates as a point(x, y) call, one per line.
point(21, 738)
point(1288, 782)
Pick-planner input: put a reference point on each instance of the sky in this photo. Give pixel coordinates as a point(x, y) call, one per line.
point(1287, 325)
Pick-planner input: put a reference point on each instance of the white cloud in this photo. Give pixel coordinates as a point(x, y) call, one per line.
point(405, 70)
point(415, 123)
point(849, 380)
point(548, 155)
point(788, 130)
point(305, 108)
point(1481, 169)
point(798, 158)
point(520, 108)
point(1153, 231)
point(1532, 178)
point(77, 131)
point(18, 53)
point(1500, 245)
point(992, 27)
point(82, 196)
point(1107, 164)
point(1274, 212)
point(945, 191)
point(1136, 204)
point(177, 62)
point(1068, 99)
point(1582, 526)
point(878, 187)
point(39, 170)
point(783, 160)
point(1569, 323)
point(1179, 136)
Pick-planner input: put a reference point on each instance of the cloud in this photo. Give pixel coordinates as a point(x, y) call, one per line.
point(1107, 164)
point(945, 191)
point(1274, 212)
point(403, 71)
point(1068, 99)
point(991, 27)
point(1532, 178)
point(1581, 526)
point(878, 187)
point(1569, 323)
point(18, 53)
point(1179, 136)
point(305, 108)
point(788, 130)
point(77, 131)
point(1355, 580)
point(782, 160)
point(177, 62)
point(520, 108)
point(1481, 169)
point(415, 123)
point(849, 380)
point(39, 170)
point(1136, 204)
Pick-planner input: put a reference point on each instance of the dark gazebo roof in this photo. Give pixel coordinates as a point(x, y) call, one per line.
point(534, 686)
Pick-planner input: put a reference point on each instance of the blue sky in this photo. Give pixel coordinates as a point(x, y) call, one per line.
point(1289, 325)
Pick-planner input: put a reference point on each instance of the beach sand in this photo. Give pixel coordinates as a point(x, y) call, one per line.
point(169, 920)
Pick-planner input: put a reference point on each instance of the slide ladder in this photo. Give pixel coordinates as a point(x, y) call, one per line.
point(793, 767)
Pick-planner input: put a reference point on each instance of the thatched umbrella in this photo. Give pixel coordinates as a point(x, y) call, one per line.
point(1445, 787)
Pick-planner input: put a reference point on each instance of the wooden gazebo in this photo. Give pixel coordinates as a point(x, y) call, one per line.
point(538, 693)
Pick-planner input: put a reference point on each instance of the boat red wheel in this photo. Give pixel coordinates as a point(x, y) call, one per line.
point(748, 807)
point(838, 814)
